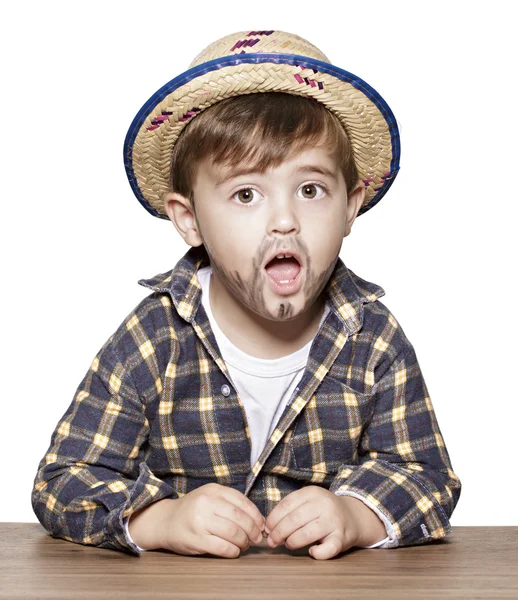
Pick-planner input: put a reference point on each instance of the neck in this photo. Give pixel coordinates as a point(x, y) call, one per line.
point(259, 336)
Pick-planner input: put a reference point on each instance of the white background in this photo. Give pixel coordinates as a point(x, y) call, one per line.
point(75, 240)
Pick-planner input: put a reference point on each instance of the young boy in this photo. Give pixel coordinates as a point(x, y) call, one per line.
point(262, 388)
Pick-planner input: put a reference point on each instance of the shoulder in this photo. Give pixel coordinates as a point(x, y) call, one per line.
point(386, 337)
point(146, 340)
point(381, 334)
point(147, 320)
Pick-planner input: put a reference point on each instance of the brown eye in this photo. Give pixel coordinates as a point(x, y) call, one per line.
point(245, 195)
point(309, 190)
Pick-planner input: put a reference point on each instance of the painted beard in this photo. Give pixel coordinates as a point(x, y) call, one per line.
point(251, 292)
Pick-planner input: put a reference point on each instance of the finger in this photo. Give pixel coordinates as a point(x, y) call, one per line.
point(213, 544)
point(241, 501)
point(238, 516)
point(295, 520)
point(330, 546)
point(288, 504)
point(308, 534)
point(228, 530)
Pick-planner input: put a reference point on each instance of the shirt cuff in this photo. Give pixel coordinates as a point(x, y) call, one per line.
point(126, 528)
point(391, 540)
point(387, 539)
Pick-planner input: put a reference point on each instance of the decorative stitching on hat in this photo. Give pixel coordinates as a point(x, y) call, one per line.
point(244, 44)
point(157, 121)
point(261, 32)
point(190, 113)
point(383, 178)
point(310, 82)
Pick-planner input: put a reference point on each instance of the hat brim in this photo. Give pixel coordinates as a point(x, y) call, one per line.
point(367, 118)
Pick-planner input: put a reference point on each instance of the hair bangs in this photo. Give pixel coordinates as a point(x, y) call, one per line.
point(260, 130)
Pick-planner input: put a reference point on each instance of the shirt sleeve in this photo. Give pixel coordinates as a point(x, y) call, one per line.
point(93, 475)
point(403, 473)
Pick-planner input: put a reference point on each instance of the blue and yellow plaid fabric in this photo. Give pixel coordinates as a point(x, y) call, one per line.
point(157, 416)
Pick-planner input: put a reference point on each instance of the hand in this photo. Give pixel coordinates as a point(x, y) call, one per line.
point(213, 519)
point(313, 513)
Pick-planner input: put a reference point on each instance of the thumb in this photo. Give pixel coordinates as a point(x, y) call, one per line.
point(329, 546)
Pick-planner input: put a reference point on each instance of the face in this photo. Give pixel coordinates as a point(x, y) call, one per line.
point(245, 218)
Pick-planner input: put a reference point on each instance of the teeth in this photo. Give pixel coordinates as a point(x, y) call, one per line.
point(285, 256)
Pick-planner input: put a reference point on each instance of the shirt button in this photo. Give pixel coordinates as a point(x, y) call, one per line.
point(225, 390)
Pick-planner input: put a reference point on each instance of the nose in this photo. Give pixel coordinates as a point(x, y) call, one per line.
point(282, 216)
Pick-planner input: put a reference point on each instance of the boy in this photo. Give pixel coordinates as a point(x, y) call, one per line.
point(262, 388)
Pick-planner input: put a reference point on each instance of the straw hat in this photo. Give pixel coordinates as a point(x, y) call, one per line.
point(260, 61)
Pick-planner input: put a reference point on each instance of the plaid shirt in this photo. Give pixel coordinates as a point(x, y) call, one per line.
point(157, 416)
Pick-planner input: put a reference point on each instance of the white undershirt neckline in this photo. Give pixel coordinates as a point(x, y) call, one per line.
point(247, 363)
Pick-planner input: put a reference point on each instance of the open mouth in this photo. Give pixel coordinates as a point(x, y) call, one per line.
point(283, 270)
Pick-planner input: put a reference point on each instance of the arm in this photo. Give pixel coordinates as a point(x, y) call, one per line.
point(373, 530)
point(147, 524)
point(93, 475)
point(404, 474)
point(129, 536)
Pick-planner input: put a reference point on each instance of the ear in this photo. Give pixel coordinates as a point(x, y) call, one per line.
point(179, 211)
point(354, 203)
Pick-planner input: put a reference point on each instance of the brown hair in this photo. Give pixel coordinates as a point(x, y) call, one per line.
point(261, 129)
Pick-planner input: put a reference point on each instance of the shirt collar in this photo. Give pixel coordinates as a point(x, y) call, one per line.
point(346, 292)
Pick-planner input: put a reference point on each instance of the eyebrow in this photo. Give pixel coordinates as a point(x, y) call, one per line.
point(302, 169)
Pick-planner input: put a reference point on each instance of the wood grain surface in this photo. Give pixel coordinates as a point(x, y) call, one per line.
point(472, 562)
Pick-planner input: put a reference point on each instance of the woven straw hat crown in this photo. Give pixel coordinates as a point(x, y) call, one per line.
point(253, 62)
point(258, 41)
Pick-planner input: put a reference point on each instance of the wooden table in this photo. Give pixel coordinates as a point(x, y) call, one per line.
point(472, 562)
